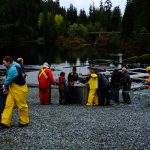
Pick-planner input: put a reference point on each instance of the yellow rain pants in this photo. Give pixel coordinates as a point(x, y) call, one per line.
point(92, 98)
point(16, 96)
point(93, 84)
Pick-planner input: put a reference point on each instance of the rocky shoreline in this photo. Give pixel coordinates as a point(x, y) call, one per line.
point(78, 127)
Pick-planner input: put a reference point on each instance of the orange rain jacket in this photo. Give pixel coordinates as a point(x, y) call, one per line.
point(148, 82)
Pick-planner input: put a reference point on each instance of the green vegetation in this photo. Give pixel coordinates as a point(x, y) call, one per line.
point(46, 21)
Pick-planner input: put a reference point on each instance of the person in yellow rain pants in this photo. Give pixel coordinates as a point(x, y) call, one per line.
point(17, 94)
point(93, 86)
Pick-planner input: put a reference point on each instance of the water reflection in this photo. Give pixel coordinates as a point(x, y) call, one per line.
point(35, 54)
point(82, 67)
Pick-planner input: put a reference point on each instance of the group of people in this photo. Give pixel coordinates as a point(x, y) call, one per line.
point(46, 79)
point(105, 88)
point(102, 88)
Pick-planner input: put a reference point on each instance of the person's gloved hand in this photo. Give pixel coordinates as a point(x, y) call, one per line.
point(5, 91)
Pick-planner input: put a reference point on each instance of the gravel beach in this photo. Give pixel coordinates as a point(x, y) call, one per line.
point(78, 127)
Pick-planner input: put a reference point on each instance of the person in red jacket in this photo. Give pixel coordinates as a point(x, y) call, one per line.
point(45, 78)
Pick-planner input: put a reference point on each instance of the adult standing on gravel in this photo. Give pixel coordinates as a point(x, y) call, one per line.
point(126, 85)
point(115, 84)
point(148, 79)
point(72, 78)
point(103, 89)
point(17, 93)
point(93, 86)
point(45, 78)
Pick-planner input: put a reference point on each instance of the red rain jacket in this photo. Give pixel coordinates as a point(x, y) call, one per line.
point(45, 78)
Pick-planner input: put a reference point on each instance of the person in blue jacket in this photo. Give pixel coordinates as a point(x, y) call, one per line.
point(17, 94)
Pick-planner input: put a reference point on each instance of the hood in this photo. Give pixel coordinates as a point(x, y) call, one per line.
point(93, 75)
point(16, 64)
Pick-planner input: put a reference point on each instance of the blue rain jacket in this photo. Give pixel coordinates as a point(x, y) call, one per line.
point(11, 73)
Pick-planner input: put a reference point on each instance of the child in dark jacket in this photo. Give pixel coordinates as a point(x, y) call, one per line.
point(62, 88)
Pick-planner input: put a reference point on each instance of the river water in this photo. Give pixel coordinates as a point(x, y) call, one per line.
point(35, 54)
point(82, 68)
point(32, 70)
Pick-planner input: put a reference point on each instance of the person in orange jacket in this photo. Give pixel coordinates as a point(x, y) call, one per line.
point(148, 79)
point(45, 78)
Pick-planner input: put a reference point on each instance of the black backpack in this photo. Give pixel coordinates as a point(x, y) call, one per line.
point(20, 80)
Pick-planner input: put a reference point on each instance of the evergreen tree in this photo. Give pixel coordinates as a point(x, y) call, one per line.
point(128, 19)
point(82, 17)
point(92, 13)
point(101, 5)
point(143, 18)
point(116, 19)
point(107, 7)
point(102, 15)
point(72, 14)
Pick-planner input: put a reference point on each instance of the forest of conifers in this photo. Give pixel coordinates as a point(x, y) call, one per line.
point(32, 20)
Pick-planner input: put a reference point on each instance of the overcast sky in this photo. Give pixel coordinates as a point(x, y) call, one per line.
point(80, 4)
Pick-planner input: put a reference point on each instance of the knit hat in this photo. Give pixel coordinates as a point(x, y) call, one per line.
point(93, 75)
point(46, 65)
